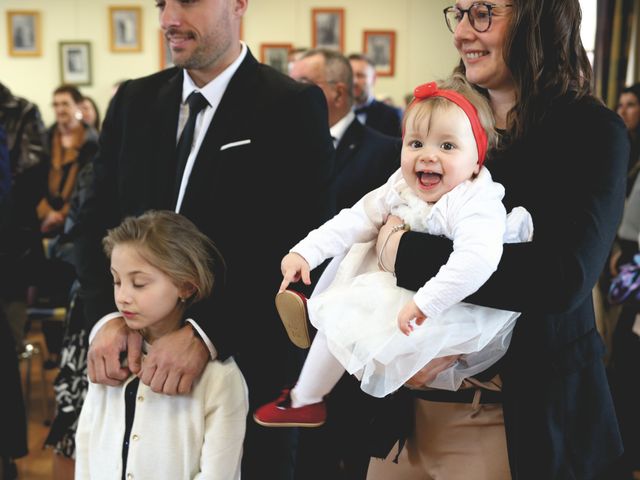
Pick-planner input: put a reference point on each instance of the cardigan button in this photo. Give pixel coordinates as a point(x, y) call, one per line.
point(135, 437)
point(129, 476)
point(140, 398)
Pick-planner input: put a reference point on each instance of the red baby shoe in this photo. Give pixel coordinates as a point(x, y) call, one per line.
point(280, 413)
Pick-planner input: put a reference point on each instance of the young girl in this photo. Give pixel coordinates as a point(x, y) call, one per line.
point(160, 263)
point(441, 188)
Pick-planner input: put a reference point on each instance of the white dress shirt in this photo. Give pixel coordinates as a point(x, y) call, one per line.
point(338, 129)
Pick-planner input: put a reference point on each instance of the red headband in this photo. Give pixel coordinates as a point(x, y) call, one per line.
point(430, 89)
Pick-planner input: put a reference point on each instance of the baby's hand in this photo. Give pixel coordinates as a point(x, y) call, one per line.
point(408, 313)
point(294, 267)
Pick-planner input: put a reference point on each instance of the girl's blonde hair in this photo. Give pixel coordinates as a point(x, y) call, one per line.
point(457, 83)
point(172, 244)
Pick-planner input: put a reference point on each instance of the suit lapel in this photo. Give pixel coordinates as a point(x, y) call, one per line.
point(165, 118)
point(348, 146)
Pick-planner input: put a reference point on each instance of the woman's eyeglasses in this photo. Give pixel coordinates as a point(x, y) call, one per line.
point(479, 15)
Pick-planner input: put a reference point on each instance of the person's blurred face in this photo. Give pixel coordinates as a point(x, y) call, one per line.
point(203, 35)
point(629, 110)
point(482, 52)
point(65, 109)
point(88, 112)
point(364, 77)
point(312, 70)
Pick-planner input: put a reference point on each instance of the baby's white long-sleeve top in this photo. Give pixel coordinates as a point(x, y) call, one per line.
point(472, 215)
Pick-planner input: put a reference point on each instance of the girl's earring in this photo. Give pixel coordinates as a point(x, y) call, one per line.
point(183, 300)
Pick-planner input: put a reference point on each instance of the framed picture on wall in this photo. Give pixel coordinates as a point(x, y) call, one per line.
point(23, 31)
point(380, 47)
point(276, 55)
point(125, 29)
point(165, 53)
point(327, 27)
point(75, 63)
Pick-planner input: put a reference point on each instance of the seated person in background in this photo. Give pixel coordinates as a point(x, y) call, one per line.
point(160, 264)
point(72, 144)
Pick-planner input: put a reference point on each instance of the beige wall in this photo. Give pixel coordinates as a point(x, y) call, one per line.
point(423, 43)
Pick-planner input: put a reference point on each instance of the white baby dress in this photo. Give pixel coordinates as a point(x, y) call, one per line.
point(358, 311)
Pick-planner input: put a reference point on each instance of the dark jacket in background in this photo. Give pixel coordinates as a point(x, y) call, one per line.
point(384, 118)
point(20, 229)
point(364, 160)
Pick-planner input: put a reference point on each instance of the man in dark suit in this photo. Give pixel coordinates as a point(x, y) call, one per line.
point(371, 112)
point(364, 160)
point(254, 180)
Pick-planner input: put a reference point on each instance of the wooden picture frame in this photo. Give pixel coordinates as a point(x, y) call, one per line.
point(380, 47)
point(165, 53)
point(327, 27)
point(125, 29)
point(276, 55)
point(75, 62)
point(24, 34)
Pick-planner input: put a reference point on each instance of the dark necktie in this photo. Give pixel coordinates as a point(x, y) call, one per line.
point(196, 103)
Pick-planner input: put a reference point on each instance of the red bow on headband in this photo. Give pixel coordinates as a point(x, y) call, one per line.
point(430, 89)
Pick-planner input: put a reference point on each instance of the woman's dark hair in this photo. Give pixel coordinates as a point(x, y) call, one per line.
point(635, 89)
point(545, 56)
point(95, 108)
point(75, 94)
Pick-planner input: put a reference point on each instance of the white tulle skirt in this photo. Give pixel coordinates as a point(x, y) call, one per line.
point(358, 315)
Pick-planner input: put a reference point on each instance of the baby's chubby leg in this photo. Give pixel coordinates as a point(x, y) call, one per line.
point(320, 373)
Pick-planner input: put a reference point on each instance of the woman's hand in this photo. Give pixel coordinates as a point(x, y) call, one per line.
point(53, 220)
point(388, 257)
point(430, 371)
point(613, 262)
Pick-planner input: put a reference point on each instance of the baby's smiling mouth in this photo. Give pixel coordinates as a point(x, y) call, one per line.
point(429, 179)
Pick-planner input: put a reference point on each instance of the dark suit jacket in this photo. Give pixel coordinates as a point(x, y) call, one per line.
point(384, 118)
point(364, 160)
point(559, 418)
point(254, 200)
